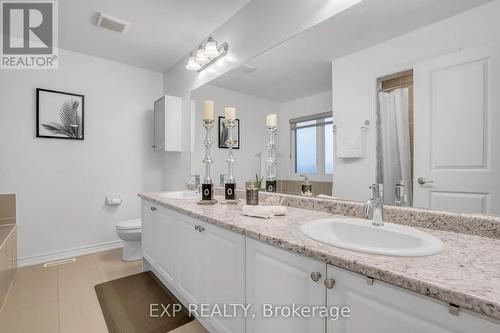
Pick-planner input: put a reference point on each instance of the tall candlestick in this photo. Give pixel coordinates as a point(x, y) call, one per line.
point(271, 161)
point(207, 194)
point(208, 110)
point(230, 184)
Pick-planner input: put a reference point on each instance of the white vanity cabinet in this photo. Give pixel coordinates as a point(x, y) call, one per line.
point(278, 277)
point(205, 264)
point(377, 307)
point(199, 262)
point(148, 226)
point(223, 276)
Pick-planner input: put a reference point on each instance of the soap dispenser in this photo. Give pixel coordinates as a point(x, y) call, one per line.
point(306, 187)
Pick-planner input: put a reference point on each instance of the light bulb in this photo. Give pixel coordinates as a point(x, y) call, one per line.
point(211, 48)
point(192, 65)
point(201, 58)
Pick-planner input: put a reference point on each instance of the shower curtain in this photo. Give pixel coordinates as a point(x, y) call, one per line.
point(395, 130)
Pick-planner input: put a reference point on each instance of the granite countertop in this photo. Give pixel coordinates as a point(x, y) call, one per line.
point(466, 273)
point(5, 231)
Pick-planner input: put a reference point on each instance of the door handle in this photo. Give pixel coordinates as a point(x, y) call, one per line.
point(423, 181)
point(153, 209)
point(315, 276)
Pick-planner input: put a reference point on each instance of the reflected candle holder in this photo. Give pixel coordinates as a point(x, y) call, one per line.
point(230, 182)
point(271, 160)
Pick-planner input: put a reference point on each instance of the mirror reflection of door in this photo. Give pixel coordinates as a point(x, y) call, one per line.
point(457, 132)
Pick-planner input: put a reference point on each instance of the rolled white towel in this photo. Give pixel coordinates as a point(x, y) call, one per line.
point(324, 196)
point(265, 212)
point(279, 210)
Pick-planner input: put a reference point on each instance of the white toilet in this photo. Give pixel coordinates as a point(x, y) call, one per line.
point(130, 232)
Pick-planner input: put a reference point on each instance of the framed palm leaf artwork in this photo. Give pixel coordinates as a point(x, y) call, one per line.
point(59, 114)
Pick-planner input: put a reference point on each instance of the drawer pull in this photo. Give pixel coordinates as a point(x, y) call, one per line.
point(153, 209)
point(329, 283)
point(315, 276)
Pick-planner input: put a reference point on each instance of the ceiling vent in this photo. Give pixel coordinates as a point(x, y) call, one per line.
point(112, 23)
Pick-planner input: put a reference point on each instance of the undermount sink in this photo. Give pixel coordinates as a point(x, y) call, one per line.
point(360, 235)
point(180, 195)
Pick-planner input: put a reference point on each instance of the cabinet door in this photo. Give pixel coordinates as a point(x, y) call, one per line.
point(223, 274)
point(278, 277)
point(159, 125)
point(189, 258)
point(167, 244)
point(382, 308)
point(148, 213)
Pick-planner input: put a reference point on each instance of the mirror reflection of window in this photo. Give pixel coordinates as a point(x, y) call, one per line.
point(312, 137)
point(305, 148)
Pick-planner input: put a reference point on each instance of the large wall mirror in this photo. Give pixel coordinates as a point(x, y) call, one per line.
point(365, 97)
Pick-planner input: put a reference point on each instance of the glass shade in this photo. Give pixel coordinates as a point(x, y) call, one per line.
point(211, 48)
point(201, 58)
point(192, 65)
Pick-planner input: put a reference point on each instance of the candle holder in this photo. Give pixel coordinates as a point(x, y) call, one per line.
point(271, 161)
point(230, 183)
point(207, 187)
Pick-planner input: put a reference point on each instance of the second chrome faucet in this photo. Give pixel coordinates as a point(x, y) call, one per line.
point(376, 205)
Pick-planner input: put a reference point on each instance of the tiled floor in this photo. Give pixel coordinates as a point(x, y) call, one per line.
point(62, 299)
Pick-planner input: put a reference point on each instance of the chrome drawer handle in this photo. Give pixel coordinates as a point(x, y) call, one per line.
point(329, 283)
point(315, 276)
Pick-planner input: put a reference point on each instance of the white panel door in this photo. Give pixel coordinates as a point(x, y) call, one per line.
point(278, 277)
point(167, 245)
point(382, 308)
point(189, 258)
point(223, 275)
point(457, 132)
point(148, 244)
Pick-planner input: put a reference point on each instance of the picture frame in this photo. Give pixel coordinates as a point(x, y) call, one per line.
point(59, 115)
point(223, 133)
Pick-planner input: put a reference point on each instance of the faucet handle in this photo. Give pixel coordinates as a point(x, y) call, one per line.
point(366, 208)
point(377, 190)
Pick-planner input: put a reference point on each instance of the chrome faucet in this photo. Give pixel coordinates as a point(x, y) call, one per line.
point(400, 195)
point(194, 184)
point(376, 205)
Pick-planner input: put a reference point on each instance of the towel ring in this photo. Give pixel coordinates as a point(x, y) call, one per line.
point(364, 127)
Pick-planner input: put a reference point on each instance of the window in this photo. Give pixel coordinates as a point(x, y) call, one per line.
point(312, 144)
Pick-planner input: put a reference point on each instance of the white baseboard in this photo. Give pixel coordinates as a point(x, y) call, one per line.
point(58, 255)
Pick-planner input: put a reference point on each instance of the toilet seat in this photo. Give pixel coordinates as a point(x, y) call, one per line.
point(129, 225)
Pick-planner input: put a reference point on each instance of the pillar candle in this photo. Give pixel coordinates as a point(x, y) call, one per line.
point(230, 113)
point(208, 110)
point(271, 120)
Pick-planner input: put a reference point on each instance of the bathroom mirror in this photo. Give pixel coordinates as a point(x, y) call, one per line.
point(369, 101)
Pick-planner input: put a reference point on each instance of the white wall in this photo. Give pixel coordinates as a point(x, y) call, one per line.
point(252, 113)
point(61, 184)
point(354, 80)
point(313, 104)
